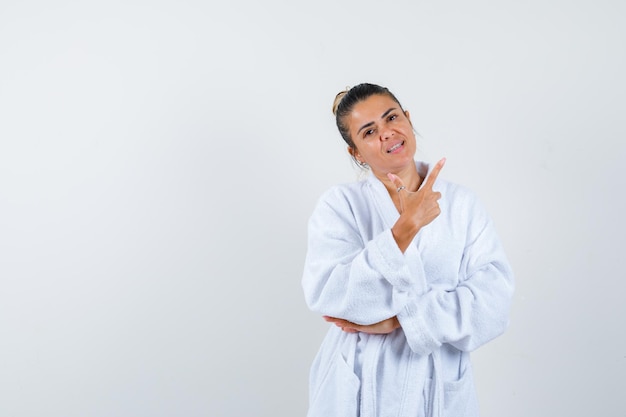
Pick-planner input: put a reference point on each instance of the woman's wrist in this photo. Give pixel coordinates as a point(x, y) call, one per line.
point(403, 232)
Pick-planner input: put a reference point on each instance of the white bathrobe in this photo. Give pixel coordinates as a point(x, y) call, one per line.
point(451, 291)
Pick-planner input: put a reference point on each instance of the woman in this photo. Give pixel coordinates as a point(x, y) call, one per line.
point(409, 269)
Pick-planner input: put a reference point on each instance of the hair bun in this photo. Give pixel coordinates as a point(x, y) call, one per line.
point(338, 99)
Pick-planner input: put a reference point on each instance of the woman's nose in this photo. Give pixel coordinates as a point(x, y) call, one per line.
point(385, 133)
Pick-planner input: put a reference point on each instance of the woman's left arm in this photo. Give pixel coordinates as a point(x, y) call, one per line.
point(474, 312)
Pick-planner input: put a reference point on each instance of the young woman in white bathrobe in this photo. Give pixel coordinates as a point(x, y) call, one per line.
point(410, 270)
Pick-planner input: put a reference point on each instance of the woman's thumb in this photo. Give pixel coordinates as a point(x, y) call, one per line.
point(394, 179)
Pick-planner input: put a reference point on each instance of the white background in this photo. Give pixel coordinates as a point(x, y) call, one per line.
point(159, 161)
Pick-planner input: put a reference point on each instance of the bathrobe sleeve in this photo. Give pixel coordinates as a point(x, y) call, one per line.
point(477, 310)
point(346, 277)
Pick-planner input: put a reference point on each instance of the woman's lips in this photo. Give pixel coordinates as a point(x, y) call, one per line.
point(395, 147)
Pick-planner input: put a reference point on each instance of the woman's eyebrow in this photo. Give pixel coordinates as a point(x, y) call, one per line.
point(371, 123)
point(387, 112)
point(364, 126)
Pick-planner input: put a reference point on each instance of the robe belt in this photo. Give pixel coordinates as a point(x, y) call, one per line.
point(436, 391)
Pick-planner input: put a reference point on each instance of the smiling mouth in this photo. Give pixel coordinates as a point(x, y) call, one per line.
point(395, 147)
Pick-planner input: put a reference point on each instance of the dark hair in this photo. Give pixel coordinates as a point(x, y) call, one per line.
point(346, 100)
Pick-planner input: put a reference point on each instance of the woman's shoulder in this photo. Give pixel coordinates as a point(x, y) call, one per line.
point(459, 197)
point(462, 202)
point(338, 202)
point(343, 192)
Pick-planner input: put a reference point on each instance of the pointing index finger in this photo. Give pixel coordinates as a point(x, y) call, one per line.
point(432, 177)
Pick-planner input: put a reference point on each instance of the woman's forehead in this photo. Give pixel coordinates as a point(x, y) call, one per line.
point(372, 108)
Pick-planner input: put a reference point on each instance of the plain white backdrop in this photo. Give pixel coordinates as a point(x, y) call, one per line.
point(159, 161)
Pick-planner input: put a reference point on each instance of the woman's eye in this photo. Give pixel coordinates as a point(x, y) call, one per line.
point(369, 132)
point(392, 117)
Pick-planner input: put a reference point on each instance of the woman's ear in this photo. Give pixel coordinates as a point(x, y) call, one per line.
point(355, 154)
point(408, 116)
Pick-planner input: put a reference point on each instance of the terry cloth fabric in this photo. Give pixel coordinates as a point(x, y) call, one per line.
point(451, 291)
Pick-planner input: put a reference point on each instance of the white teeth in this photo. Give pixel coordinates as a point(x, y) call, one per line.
point(394, 147)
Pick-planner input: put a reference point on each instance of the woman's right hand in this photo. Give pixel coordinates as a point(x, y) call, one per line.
point(417, 209)
point(383, 327)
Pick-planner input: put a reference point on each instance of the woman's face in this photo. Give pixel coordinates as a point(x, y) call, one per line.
point(383, 135)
